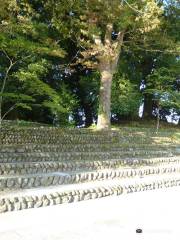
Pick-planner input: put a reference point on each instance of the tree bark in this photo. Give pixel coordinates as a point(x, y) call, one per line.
point(104, 112)
point(4, 83)
point(108, 62)
point(148, 106)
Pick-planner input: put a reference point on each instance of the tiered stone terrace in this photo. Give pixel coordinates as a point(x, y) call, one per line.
point(45, 166)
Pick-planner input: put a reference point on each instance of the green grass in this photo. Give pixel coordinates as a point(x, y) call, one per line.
point(146, 124)
point(22, 123)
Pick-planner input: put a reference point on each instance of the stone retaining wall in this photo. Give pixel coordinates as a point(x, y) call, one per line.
point(51, 136)
point(46, 167)
point(97, 147)
point(57, 136)
point(52, 179)
point(81, 156)
point(55, 198)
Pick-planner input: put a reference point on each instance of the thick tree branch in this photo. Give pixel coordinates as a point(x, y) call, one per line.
point(11, 64)
point(131, 7)
point(108, 35)
point(9, 110)
point(119, 41)
point(97, 40)
point(158, 50)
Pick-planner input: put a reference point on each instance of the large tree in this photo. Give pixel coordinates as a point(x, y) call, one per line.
point(111, 25)
point(105, 27)
point(99, 29)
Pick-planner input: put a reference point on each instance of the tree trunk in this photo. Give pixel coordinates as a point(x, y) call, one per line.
point(1, 99)
point(4, 84)
point(158, 120)
point(108, 59)
point(148, 106)
point(104, 112)
point(0, 112)
point(88, 115)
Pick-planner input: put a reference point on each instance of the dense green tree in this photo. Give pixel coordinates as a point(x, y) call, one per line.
point(126, 99)
point(124, 19)
point(162, 85)
point(165, 51)
point(90, 24)
point(28, 49)
point(159, 50)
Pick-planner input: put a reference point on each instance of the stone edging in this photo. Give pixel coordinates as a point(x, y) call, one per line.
point(55, 198)
point(58, 178)
point(47, 167)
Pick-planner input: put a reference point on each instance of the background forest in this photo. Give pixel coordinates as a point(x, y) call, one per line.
point(74, 62)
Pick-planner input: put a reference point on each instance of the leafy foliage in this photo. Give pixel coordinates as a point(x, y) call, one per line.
point(161, 84)
point(46, 47)
point(126, 98)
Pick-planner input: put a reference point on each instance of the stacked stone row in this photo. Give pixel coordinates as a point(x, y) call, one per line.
point(55, 198)
point(51, 179)
point(50, 136)
point(98, 147)
point(79, 156)
point(57, 136)
point(47, 167)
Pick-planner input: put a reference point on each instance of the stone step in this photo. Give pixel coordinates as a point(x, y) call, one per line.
point(41, 197)
point(12, 182)
point(52, 135)
point(85, 156)
point(57, 136)
point(47, 167)
point(102, 140)
point(42, 130)
point(87, 147)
